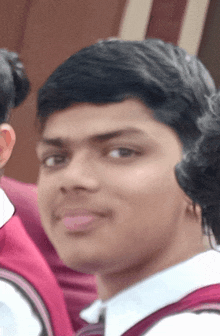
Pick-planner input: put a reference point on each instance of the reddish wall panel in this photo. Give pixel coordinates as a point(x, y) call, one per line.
point(13, 15)
point(166, 19)
point(209, 51)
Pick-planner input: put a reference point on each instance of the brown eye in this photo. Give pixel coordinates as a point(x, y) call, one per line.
point(53, 160)
point(122, 152)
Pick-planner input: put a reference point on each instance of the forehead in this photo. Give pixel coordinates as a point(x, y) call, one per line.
point(83, 121)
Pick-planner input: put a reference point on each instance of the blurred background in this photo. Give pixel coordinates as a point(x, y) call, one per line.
point(46, 32)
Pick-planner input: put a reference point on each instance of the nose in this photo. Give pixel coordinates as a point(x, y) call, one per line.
point(80, 174)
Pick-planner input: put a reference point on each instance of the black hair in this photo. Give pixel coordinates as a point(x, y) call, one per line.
point(14, 84)
point(199, 171)
point(165, 77)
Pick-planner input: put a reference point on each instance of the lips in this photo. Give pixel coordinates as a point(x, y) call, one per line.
point(78, 219)
point(77, 222)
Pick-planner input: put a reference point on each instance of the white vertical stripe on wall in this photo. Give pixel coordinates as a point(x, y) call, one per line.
point(193, 24)
point(135, 19)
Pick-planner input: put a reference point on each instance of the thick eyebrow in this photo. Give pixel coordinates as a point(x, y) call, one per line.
point(56, 142)
point(98, 138)
point(116, 134)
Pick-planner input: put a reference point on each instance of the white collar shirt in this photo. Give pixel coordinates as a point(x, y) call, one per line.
point(6, 208)
point(16, 314)
point(131, 305)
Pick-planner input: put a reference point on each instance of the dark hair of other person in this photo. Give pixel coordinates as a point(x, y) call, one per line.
point(169, 81)
point(199, 172)
point(14, 84)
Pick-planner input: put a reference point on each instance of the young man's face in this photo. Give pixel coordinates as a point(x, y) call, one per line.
point(108, 195)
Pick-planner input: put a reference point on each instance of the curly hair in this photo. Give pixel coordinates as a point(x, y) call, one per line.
point(165, 77)
point(198, 173)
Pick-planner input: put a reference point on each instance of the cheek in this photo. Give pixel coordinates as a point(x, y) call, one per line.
point(141, 182)
point(149, 206)
point(153, 193)
point(45, 193)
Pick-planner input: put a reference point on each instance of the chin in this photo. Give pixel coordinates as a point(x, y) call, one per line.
point(82, 265)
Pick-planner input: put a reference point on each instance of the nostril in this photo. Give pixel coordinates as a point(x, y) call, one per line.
point(63, 190)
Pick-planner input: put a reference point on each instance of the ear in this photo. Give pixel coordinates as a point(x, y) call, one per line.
point(7, 142)
point(193, 208)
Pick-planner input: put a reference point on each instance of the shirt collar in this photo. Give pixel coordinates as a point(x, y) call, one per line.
point(136, 302)
point(6, 208)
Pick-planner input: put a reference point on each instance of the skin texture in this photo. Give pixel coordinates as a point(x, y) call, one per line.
point(143, 221)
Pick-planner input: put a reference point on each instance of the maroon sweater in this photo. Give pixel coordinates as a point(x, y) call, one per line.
point(79, 289)
point(22, 264)
point(203, 299)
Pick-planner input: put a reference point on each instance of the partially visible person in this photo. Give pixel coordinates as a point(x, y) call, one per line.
point(31, 302)
point(199, 171)
point(114, 121)
point(79, 289)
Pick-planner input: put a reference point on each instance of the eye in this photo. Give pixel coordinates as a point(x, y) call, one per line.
point(53, 160)
point(122, 152)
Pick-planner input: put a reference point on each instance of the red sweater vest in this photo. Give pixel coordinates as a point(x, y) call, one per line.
point(203, 299)
point(79, 289)
point(22, 263)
